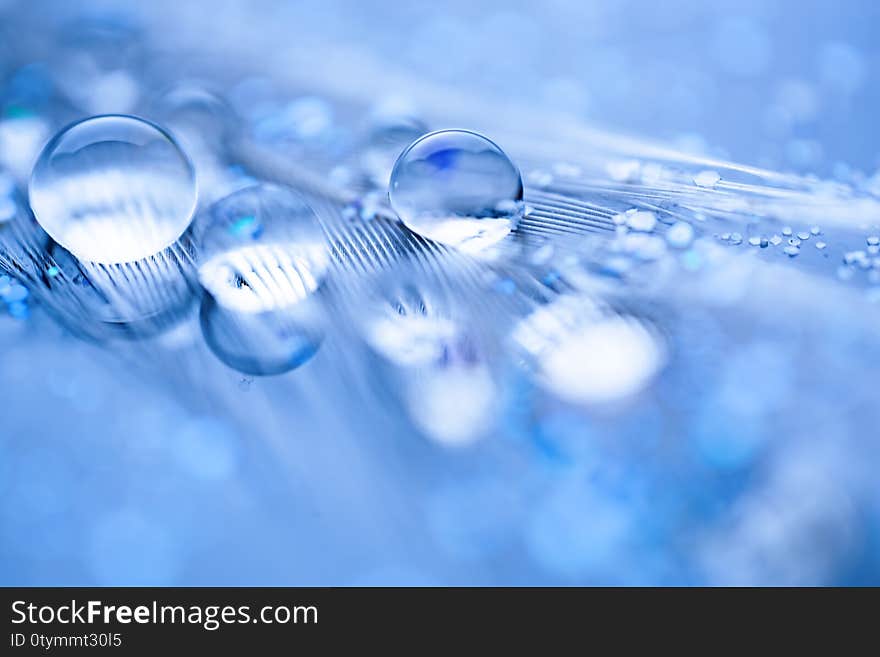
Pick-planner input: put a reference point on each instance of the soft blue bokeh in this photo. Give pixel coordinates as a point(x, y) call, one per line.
point(748, 460)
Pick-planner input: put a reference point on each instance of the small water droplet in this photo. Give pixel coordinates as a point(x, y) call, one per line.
point(642, 221)
point(113, 189)
point(680, 235)
point(458, 188)
point(803, 235)
point(791, 251)
point(707, 179)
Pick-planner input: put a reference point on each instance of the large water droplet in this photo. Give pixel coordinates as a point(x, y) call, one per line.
point(263, 259)
point(113, 189)
point(458, 188)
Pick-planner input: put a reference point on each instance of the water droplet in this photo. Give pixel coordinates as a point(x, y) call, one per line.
point(873, 240)
point(791, 251)
point(707, 179)
point(794, 241)
point(113, 189)
point(642, 221)
point(776, 240)
point(736, 238)
point(803, 235)
point(680, 235)
point(755, 241)
point(458, 188)
point(787, 231)
point(821, 245)
point(815, 230)
point(263, 259)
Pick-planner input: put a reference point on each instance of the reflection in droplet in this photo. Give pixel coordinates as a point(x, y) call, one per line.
point(458, 188)
point(263, 259)
point(113, 189)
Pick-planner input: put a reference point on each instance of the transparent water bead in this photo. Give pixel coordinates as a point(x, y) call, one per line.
point(113, 189)
point(458, 188)
point(263, 258)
